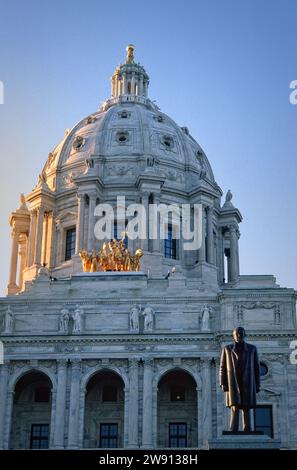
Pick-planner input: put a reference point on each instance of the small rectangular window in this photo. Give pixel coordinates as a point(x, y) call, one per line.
point(39, 436)
point(170, 244)
point(108, 435)
point(177, 434)
point(70, 243)
point(263, 419)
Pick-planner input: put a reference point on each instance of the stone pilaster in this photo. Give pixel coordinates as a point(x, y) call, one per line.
point(156, 242)
point(206, 400)
point(12, 286)
point(210, 241)
point(92, 205)
point(144, 201)
point(4, 374)
point(60, 404)
point(133, 404)
point(73, 424)
point(202, 253)
point(80, 223)
point(147, 413)
point(38, 238)
point(23, 255)
point(234, 258)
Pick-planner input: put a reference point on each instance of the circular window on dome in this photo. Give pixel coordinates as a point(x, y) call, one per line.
point(263, 369)
point(122, 137)
point(78, 142)
point(168, 142)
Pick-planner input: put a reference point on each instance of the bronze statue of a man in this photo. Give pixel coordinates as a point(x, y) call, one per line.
point(240, 378)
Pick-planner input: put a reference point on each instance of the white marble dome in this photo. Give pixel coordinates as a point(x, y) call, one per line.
point(125, 136)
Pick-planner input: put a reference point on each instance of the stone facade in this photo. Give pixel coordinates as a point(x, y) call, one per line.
point(78, 355)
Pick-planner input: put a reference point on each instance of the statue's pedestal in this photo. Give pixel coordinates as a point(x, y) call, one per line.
point(244, 440)
point(243, 433)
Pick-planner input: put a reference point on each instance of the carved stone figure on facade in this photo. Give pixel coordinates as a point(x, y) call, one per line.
point(205, 318)
point(240, 379)
point(8, 321)
point(134, 318)
point(78, 320)
point(89, 163)
point(64, 320)
point(148, 315)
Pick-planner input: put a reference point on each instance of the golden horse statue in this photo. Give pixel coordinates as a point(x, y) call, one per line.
point(113, 256)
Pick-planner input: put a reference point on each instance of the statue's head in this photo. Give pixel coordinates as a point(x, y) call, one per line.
point(238, 334)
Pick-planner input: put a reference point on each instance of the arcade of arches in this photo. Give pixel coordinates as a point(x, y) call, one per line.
point(34, 421)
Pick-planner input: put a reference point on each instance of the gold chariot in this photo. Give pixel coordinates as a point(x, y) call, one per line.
point(113, 256)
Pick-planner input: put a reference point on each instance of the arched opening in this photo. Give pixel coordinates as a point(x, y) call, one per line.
point(177, 410)
point(104, 411)
point(31, 415)
point(129, 88)
point(136, 89)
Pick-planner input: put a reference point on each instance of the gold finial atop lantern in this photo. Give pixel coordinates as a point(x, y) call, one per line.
point(130, 54)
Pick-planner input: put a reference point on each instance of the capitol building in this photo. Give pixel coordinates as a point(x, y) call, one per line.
point(130, 359)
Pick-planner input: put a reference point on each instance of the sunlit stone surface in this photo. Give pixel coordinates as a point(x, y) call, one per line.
point(132, 354)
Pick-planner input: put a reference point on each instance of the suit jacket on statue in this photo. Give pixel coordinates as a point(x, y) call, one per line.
point(241, 394)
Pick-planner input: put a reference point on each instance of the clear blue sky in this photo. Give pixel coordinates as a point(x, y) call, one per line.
point(222, 68)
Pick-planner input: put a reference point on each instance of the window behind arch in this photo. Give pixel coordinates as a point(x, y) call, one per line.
point(39, 436)
point(170, 244)
point(70, 243)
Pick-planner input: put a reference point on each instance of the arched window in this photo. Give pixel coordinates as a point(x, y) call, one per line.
point(129, 88)
point(136, 89)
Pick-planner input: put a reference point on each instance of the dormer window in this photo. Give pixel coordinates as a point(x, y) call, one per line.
point(122, 137)
point(124, 114)
point(159, 118)
point(78, 142)
point(168, 142)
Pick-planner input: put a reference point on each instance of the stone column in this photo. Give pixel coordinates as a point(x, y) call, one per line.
point(32, 235)
point(156, 242)
point(8, 418)
point(73, 424)
point(23, 254)
point(60, 404)
point(80, 224)
point(145, 88)
point(92, 205)
point(234, 271)
point(144, 201)
point(125, 83)
point(147, 412)
point(38, 238)
point(202, 249)
point(4, 373)
point(133, 404)
point(140, 86)
point(44, 258)
point(210, 241)
point(206, 400)
point(13, 257)
point(133, 84)
point(220, 254)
